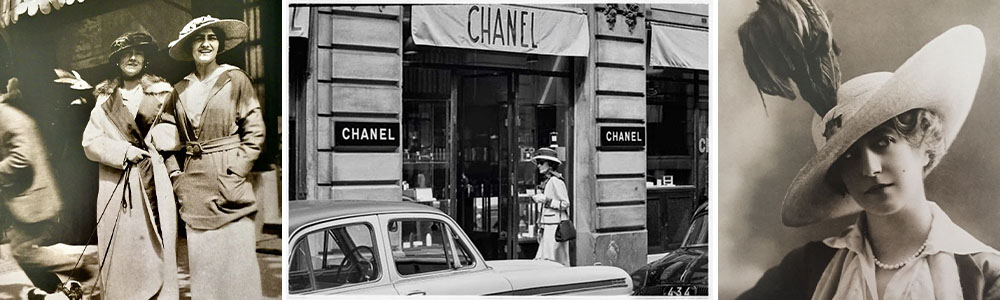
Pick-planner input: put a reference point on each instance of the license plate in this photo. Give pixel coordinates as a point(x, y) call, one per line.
point(681, 291)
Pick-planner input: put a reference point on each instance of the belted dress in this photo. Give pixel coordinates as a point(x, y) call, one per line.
point(220, 126)
point(136, 211)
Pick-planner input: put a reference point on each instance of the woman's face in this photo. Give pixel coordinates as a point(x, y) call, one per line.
point(204, 46)
point(883, 172)
point(131, 62)
point(543, 167)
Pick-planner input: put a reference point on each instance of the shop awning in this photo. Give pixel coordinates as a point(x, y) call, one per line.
point(11, 10)
point(299, 22)
point(677, 47)
point(507, 28)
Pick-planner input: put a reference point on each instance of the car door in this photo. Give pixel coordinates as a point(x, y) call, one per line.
point(339, 257)
point(430, 257)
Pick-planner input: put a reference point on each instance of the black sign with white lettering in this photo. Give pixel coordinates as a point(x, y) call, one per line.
point(365, 135)
point(618, 137)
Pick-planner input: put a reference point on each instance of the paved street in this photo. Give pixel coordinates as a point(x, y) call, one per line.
point(15, 285)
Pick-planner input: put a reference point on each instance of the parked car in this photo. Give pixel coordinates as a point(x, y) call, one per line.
point(682, 272)
point(404, 248)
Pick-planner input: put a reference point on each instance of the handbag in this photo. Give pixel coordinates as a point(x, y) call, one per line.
point(565, 231)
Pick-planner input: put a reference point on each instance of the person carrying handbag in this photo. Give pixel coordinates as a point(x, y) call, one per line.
point(555, 207)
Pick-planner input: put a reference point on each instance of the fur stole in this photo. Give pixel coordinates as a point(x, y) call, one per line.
point(151, 85)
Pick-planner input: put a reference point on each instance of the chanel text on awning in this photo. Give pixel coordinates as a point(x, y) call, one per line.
point(503, 26)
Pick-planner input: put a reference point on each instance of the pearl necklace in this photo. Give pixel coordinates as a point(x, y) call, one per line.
point(910, 259)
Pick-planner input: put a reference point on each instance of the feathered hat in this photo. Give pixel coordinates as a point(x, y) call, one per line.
point(942, 77)
point(129, 40)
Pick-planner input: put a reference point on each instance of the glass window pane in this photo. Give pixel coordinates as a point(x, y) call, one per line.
point(418, 246)
point(298, 269)
point(339, 255)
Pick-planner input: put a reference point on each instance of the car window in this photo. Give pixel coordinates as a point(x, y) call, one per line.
point(333, 257)
point(299, 278)
point(425, 245)
point(698, 232)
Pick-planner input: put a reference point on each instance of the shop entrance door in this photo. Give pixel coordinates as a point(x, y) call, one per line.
point(483, 170)
point(502, 118)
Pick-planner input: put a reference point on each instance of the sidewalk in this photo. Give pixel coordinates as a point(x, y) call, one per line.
point(15, 285)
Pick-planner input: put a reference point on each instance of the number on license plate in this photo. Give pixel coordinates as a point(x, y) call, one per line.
point(681, 291)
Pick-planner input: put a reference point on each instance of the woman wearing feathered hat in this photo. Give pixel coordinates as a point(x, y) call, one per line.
point(219, 122)
point(876, 144)
point(555, 207)
point(136, 212)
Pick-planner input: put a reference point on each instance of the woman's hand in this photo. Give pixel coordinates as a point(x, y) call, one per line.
point(134, 155)
point(539, 198)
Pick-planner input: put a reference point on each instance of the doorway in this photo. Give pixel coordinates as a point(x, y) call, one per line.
point(502, 118)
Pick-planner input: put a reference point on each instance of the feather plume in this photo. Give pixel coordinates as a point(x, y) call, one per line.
point(72, 78)
point(789, 41)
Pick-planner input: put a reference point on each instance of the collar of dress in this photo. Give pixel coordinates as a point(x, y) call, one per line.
point(192, 77)
point(945, 236)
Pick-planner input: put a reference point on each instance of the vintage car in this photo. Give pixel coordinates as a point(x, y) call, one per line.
point(405, 248)
point(682, 272)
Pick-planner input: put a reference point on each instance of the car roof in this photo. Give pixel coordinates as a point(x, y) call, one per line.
point(302, 212)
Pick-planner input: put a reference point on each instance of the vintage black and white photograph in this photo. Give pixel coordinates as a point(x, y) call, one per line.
point(857, 151)
point(140, 149)
point(498, 149)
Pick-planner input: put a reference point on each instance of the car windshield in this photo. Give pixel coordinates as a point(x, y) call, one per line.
point(697, 234)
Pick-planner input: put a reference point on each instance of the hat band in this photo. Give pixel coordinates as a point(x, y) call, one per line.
point(832, 126)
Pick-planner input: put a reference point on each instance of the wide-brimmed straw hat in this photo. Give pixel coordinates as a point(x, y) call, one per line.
point(942, 77)
point(129, 40)
point(234, 30)
point(546, 154)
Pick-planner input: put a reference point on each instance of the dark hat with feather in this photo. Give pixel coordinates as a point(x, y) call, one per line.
point(790, 40)
point(129, 40)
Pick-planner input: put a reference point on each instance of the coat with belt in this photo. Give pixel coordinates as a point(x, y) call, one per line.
point(27, 188)
point(136, 212)
point(219, 149)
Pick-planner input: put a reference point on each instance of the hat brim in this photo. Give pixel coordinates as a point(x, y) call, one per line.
point(546, 157)
point(235, 31)
point(941, 77)
point(146, 47)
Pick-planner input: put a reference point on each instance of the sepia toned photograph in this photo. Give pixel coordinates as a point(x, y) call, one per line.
point(498, 149)
point(140, 149)
point(857, 153)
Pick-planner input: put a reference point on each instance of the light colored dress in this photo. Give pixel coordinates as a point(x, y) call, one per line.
point(219, 122)
point(137, 218)
point(555, 211)
point(933, 275)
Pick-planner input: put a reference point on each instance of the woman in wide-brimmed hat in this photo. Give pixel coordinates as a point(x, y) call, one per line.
point(875, 147)
point(136, 242)
point(219, 122)
point(554, 200)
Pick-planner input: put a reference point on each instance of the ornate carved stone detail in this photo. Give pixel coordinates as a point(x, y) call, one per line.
point(629, 11)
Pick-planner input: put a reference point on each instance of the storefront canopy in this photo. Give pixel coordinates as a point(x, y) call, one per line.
point(299, 22)
point(677, 47)
point(11, 10)
point(507, 28)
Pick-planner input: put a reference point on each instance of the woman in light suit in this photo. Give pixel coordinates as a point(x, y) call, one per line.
point(555, 207)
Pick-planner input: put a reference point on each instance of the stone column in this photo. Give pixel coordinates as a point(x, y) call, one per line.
point(356, 76)
point(609, 184)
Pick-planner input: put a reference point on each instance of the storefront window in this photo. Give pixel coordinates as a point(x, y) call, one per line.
point(676, 153)
point(427, 152)
point(472, 120)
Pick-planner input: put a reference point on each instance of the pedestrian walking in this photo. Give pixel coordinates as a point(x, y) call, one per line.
point(555, 203)
point(136, 211)
point(30, 199)
point(219, 122)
